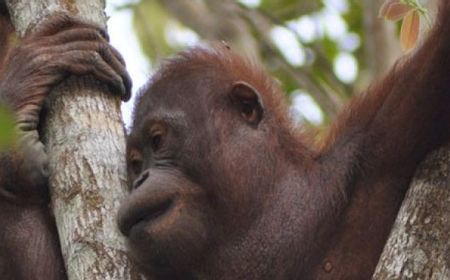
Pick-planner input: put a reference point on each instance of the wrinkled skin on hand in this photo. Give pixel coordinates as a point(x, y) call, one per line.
point(62, 46)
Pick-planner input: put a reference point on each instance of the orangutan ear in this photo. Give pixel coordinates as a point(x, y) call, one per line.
point(248, 102)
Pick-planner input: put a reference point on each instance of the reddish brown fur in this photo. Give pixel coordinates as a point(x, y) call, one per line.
point(220, 59)
point(218, 196)
point(277, 208)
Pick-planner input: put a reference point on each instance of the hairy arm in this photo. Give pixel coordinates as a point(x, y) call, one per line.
point(405, 115)
point(374, 148)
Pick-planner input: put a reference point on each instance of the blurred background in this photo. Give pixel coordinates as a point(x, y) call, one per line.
point(322, 52)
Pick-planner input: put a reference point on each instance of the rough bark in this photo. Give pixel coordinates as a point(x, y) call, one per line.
point(419, 245)
point(84, 137)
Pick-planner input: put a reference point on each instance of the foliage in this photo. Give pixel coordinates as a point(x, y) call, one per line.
point(151, 21)
point(304, 61)
point(409, 11)
point(288, 9)
point(7, 135)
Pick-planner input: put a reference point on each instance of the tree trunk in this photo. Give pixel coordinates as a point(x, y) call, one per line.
point(419, 245)
point(84, 137)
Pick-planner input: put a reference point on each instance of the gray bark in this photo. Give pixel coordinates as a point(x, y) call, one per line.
point(84, 137)
point(419, 245)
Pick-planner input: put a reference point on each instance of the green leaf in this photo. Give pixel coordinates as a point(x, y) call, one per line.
point(289, 9)
point(7, 134)
point(150, 21)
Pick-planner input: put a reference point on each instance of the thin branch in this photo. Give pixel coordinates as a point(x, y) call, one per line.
point(321, 58)
point(326, 100)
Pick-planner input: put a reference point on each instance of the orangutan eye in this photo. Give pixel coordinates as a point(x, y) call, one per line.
point(157, 135)
point(156, 141)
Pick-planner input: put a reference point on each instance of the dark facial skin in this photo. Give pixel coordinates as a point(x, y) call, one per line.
point(62, 46)
point(225, 187)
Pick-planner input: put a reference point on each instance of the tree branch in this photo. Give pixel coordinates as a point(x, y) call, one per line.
point(84, 137)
